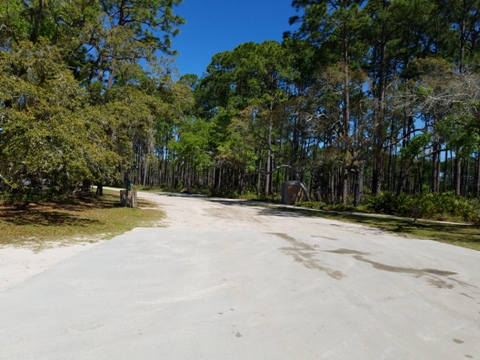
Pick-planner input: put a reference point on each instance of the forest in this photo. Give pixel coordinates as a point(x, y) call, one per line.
point(361, 100)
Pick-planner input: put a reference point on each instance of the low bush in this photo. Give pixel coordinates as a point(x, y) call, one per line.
point(317, 205)
point(438, 206)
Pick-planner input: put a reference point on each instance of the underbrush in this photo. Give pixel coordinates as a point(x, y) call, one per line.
point(318, 205)
point(437, 206)
point(253, 196)
point(171, 189)
point(434, 206)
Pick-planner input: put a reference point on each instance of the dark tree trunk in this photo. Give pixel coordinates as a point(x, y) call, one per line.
point(268, 175)
point(358, 199)
point(457, 174)
point(436, 169)
point(477, 176)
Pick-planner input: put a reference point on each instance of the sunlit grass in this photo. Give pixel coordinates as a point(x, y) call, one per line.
point(467, 236)
point(81, 219)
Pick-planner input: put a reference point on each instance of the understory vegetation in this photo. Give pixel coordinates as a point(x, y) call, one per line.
point(373, 105)
point(434, 206)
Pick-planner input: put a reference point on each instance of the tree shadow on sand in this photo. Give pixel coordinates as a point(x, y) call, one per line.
point(43, 218)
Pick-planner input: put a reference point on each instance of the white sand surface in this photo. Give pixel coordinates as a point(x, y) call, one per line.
point(227, 280)
point(18, 264)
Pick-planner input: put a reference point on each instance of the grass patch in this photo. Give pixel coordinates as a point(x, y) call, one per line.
point(467, 236)
point(86, 218)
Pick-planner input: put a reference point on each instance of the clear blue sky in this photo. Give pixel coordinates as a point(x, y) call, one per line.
point(214, 26)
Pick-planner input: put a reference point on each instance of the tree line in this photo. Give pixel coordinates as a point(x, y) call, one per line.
point(86, 87)
point(361, 97)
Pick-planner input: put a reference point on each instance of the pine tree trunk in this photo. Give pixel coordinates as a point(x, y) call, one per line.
point(477, 175)
point(466, 171)
point(458, 174)
point(435, 169)
point(358, 199)
point(268, 175)
point(445, 172)
point(346, 125)
point(259, 176)
point(380, 115)
point(345, 186)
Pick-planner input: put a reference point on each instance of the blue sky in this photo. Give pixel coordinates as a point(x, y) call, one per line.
point(214, 26)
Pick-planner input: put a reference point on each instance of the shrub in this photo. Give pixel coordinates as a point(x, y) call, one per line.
point(317, 205)
point(439, 206)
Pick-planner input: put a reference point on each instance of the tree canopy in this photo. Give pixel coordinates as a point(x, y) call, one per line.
point(76, 105)
point(360, 98)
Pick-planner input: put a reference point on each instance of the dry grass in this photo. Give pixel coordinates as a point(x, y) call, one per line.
point(80, 219)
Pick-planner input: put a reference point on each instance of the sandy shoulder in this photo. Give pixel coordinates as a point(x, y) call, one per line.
point(18, 264)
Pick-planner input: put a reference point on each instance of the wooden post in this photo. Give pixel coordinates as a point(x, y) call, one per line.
point(128, 198)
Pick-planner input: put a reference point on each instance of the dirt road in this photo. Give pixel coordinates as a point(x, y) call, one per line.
point(224, 280)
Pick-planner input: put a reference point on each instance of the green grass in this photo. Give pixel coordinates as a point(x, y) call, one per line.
point(79, 219)
point(467, 236)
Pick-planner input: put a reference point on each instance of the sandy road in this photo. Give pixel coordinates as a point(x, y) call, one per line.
point(224, 280)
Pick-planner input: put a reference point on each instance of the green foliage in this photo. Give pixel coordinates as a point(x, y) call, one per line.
point(13, 26)
point(250, 75)
point(62, 122)
point(48, 132)
point(245, 93)
point(192, 143)
point(224, 193)
point(316, 205)
point(461, 129)
point(362, 92)
point(439, 206)
point(416, 145)
point(392, 204)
